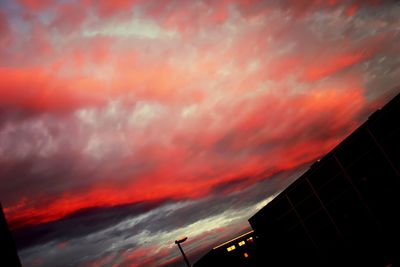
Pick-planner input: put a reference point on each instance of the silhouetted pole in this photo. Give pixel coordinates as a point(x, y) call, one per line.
point(178, 242)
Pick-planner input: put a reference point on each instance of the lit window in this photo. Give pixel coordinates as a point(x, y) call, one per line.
point(241, 243)
point(231, 248)
point(246, 255)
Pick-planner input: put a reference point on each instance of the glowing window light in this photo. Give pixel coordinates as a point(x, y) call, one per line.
point(250, 239)
point(241, 243)
point(246, 255)
point(231, 248)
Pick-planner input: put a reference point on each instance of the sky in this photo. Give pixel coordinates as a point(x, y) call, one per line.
point(127, 124)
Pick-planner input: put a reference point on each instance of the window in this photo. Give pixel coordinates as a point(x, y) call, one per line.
point(242, 243)
point(231, 248)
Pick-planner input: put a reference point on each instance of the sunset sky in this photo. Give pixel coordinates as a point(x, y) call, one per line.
point(126, 124)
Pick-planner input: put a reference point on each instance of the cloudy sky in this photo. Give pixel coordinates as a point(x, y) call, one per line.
point(126, 124)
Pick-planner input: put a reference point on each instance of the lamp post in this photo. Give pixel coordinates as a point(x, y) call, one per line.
point(178, 242)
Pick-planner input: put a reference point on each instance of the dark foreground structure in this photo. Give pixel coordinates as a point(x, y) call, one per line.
point(240, 251)
point(8, 251)
point(344, 211)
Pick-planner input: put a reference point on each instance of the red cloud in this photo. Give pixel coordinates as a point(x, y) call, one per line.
point(352, 10)
point(38, 90)
point(325, 67)
point(239, 89)
point(106, 9)
point(36, 5)
point(289, 140)
point(69, 17)
point(5, 31)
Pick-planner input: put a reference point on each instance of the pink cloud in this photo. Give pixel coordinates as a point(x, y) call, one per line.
point(178, 174)
point(70, 17)
point(150, 100)
point(332, 65)
point(5, 31)
point(37, 5)
point(40, 90)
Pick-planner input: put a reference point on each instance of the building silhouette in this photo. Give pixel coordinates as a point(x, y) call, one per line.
point(343, 211)
point(8, 251)
point(239, 251)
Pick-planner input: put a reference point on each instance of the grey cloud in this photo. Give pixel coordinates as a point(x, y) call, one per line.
point(93, 233)
point(80, 223)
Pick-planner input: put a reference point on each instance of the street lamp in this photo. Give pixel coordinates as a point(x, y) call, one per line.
point(178, 242)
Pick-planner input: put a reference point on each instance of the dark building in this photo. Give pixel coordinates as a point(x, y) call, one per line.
point(239, 251)
point(8, 251)
point(345, 210)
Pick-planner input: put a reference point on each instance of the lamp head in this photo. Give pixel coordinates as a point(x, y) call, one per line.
point(181, 240)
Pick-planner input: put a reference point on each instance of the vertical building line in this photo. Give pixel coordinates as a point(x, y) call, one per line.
point(301, 222)
point(325, 209)
point(378, 144)
point(358, 193)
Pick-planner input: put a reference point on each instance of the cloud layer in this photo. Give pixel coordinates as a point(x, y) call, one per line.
point(126, 123)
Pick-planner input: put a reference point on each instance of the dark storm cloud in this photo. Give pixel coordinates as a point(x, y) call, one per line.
point(80, 223)
point(30, 175)
point(90, 232)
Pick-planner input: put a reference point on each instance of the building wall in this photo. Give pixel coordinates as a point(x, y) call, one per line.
point(344, 211)
point(241, 256)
